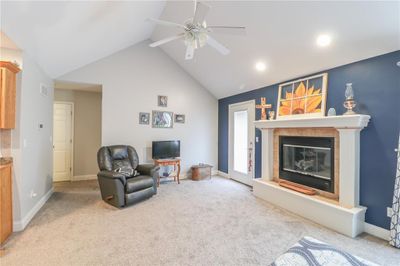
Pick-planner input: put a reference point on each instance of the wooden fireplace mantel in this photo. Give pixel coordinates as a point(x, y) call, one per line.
point(340, 121)
point(348, 126)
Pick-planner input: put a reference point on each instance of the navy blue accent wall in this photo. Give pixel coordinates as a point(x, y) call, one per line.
point(376, 84)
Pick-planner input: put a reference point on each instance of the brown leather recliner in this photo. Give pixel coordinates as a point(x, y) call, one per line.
point(122, 179)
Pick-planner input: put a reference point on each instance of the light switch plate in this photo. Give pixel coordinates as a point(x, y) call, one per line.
point(43, 90)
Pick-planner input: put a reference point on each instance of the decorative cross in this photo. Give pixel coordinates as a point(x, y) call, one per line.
point(263, 106)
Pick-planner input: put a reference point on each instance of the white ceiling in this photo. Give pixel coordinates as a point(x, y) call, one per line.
point(64, 35)
point(283, 35)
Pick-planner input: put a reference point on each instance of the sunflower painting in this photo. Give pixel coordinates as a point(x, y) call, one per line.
point(304, 97)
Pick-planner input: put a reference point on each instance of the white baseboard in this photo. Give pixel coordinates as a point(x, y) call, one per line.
point(20, 225)
point(84, 177)
point(223, 174)
point(377, 231)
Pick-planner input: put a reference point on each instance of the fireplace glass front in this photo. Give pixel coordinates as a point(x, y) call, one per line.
point(308, 161)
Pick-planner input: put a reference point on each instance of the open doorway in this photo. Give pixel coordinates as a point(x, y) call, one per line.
point(76, 130)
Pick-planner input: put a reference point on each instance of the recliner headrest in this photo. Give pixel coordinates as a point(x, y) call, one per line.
point(106, 156)
point(118, 152)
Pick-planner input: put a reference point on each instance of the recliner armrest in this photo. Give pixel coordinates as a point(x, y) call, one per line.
point(112, 175)
point(148, 169)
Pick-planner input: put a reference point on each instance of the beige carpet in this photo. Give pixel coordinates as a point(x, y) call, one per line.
point(217, 222)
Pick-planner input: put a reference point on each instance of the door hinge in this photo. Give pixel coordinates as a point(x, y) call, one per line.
point(70, 169)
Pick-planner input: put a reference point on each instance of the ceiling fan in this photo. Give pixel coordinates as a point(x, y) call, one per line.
point(196, 32)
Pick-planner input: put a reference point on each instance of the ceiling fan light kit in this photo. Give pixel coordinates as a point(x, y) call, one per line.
point(196, 32)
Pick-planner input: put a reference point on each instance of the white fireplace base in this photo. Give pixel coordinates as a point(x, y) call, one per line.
point(348, 221)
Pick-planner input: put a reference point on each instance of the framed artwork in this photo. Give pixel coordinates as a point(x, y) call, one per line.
point(162, 119)
point(162, 101)
point(144, 118)
point(303, 98)
point(179, 118)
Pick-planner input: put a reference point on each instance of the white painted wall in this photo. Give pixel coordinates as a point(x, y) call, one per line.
point(33, 162)
point(131, 80)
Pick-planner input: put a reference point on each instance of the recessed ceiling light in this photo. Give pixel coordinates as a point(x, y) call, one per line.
point(260, 66)
point(324, 40)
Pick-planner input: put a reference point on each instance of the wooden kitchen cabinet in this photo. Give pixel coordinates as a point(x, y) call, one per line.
point(7, 94)
point(6, 215)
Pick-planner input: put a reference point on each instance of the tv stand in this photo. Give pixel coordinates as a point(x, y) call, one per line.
point(176, 162)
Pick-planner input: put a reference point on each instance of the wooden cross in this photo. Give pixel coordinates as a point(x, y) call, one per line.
point(263, 106)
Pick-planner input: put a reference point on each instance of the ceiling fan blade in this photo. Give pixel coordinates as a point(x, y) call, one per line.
point(217, 46)
point(169, 39)
point(195, 5)
point(200, 12)
point(228, 30)
point(167, 23)
point(189, 52)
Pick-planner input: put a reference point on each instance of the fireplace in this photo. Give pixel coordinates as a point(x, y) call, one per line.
point(339, 210)
point(308, 161)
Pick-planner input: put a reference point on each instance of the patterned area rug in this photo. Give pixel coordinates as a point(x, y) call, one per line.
point(311, 252)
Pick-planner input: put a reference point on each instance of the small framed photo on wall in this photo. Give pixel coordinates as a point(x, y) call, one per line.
point(162, 101)
point(179, 118)
point(144, 118)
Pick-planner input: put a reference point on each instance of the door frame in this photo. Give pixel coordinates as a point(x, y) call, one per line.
point(249, 105)
point(72, 136)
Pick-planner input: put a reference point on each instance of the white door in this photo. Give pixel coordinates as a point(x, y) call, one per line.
point(241, 142)
point(62, 141)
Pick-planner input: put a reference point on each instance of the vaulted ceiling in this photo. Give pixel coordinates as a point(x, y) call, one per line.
point(63, 36)
point(283, 35)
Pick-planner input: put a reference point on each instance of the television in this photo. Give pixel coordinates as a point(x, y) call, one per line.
point(166, 149)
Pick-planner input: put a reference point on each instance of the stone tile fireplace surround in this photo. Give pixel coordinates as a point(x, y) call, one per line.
point(308, 133)
point(339, 210)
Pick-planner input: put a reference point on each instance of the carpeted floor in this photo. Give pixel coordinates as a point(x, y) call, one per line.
point(217, 222)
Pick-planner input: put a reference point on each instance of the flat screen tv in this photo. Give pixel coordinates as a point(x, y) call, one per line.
point(166, 149)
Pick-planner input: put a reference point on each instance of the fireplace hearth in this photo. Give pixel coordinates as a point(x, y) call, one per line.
point(307, 161)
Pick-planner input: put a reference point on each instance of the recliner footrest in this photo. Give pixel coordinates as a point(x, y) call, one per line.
point(139, 195)
point(138, 183)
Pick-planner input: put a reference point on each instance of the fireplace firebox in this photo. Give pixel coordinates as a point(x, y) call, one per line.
point(307, 161)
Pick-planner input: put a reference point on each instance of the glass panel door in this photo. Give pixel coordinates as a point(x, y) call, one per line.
point(240, 141)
